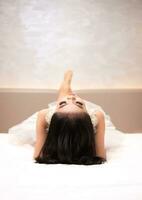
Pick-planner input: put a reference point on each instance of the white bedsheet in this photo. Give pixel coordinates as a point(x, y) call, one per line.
point(119, 178)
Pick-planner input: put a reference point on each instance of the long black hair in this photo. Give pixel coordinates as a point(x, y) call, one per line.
point(70, 140)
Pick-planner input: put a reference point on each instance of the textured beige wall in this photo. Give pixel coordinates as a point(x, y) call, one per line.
point(100, 40)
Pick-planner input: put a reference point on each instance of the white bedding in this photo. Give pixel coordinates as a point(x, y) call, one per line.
point(120, 178)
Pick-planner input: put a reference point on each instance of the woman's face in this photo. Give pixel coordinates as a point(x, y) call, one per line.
point(71, 103)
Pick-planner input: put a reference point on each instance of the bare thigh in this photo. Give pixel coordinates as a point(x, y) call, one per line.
point(64, 91)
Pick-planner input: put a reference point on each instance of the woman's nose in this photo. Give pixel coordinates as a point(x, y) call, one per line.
point(71, 98)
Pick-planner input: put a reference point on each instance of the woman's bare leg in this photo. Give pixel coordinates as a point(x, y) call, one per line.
point(65, 87)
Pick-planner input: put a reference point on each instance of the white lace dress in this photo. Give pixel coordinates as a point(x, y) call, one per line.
point(91, 109)
point(25, 132)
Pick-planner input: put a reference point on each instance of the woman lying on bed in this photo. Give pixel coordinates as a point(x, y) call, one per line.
point(70, 134)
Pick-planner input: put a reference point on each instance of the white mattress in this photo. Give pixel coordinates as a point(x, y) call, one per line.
point(119, 178)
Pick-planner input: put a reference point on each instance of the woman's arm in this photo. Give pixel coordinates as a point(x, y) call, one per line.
point(65, 87)
point(100, 136)
point(41, 134)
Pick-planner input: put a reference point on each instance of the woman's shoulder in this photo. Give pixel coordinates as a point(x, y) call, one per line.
point(43, 111)
point(49, 112)
point(95, 111)
point(46, 114)
point(41, 114)
point(93, 108)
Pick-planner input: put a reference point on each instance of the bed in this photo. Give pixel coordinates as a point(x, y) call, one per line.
point(119, 178)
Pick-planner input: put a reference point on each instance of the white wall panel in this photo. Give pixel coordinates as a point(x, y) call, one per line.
point(100, 40)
